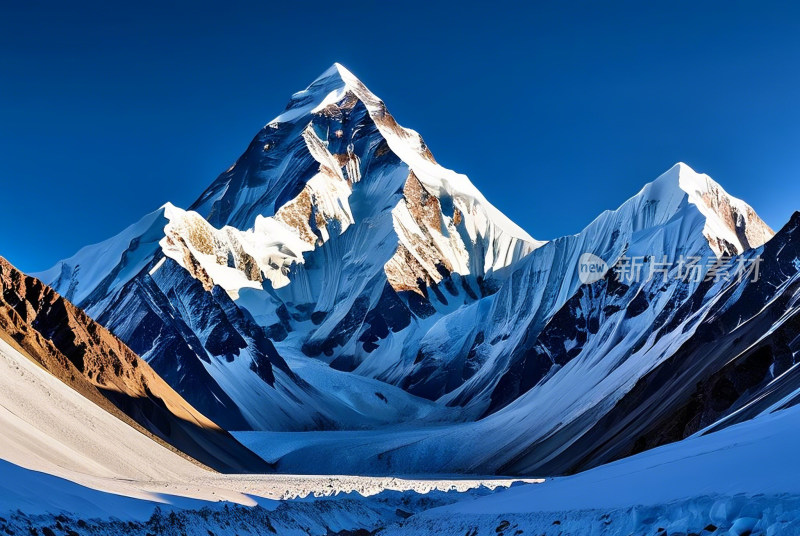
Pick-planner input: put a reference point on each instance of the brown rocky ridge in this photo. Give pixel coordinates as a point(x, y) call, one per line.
point(63, 340)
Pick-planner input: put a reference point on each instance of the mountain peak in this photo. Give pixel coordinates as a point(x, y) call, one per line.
point(275, 169)
point(336, 70)
point(684, 177)
point(328, 88)
point(732, 226)
point(337, 76)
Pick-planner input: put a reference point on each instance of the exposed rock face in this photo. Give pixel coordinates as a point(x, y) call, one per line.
point(734, 227)
point(428, 242)
point(87, 357)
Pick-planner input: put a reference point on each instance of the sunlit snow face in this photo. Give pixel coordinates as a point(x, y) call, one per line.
point(591, 268)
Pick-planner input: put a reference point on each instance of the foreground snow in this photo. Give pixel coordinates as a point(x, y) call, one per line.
point(343, 515)
point(738, 481)
point(55, 439)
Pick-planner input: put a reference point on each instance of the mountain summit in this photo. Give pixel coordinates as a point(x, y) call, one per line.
point(732, 226)
point(329, 114)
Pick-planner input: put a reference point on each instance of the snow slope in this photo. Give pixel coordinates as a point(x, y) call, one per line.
point(738, 479)
point(93, 464)
point(619, 368)
point(48, 427)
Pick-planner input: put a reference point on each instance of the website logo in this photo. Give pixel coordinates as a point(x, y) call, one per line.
point(591, 268)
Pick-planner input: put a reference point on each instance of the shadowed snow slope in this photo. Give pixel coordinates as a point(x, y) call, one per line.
point(740, 479)
point(36, 493)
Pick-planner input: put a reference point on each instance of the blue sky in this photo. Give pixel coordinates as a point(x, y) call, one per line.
point(557, 111)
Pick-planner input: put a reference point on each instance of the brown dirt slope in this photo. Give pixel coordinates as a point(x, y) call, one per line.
point(63, 340)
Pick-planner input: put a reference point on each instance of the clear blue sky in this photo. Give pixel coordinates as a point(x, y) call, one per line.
point(556, 111)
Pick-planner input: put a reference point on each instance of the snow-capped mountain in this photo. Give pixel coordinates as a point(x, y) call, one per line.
point(337, 277)
point(657, 364)
point(481, 348)
point(338, 226)
point(335, 232)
